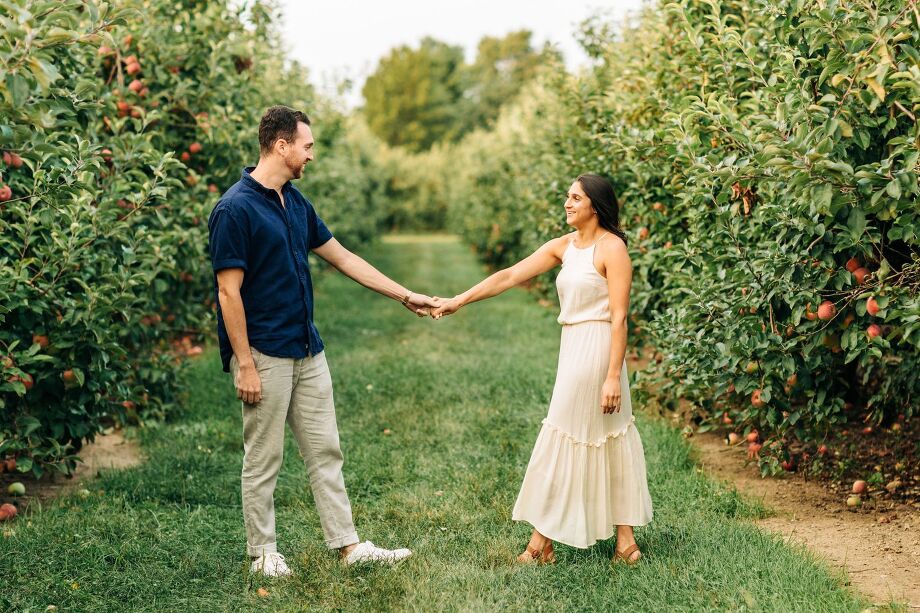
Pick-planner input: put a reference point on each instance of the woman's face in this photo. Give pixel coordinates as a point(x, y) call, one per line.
point(578, 209)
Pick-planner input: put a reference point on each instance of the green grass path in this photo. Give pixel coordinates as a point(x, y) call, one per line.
point(463, 398)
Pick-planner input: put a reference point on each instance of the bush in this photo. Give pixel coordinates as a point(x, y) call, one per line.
point(119, 128)
point(757, 149)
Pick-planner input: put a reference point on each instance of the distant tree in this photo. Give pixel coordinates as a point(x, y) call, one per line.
point(415, 97)
point(502, 67)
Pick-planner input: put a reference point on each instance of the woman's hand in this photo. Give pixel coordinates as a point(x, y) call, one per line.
point(446, 307)
point(610, 396)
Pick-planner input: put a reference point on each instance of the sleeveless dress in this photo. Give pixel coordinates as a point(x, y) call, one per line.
point(587, 471)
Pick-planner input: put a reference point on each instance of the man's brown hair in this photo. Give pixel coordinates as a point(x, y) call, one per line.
point(279, 122)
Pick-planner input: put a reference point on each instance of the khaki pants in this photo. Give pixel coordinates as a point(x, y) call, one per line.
point(298, 392)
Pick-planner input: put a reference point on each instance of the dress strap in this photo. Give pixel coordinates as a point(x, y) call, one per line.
point(603, 236)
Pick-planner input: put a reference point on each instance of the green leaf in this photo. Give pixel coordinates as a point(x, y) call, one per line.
point(857, 221)
point(894, 189)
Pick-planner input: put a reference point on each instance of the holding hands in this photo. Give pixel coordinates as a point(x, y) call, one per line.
point(420, 304)
point(423, 305)
point(446, 306)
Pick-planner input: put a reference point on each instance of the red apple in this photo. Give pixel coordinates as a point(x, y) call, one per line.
point(826, 310)
point(186, 156)
point(754, 450)
point(212, 188)
point(793, 380)
point(131, 59)
point(726, 419)
point(788, 465)
point(136, 85)
point(7, 158)
point(40, 339)
point(6, 193)
point(8, 511)
point(126, 41)
point(752, 436)
point(123, 106)
point(9, 464)
point(104, 50)
point(28, 381)
point(756, 400)
point(853, 263)
point(859, 486)
point(872, 307)
point(873, 330)
point(194, 148)
point(854, 501)
point(822, 450)
point(133, 68)
point(809, 314)
point(69, 377)
point(106, 155)
point(861, 274)
point(15, 160)
point(128, 404)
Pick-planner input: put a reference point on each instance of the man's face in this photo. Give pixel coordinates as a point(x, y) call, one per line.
point(298, 153)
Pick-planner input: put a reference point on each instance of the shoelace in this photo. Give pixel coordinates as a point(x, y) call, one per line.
point(274, 557)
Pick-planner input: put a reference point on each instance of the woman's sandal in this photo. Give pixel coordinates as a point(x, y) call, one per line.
point(535, 556)
point(627, 554)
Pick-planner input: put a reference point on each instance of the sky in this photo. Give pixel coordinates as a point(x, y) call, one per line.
point(338, 39)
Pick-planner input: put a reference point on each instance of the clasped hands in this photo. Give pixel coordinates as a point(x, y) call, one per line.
point(423, 305)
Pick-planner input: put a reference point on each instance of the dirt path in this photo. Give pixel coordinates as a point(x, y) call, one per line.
point(878, 548)
point(111, 450)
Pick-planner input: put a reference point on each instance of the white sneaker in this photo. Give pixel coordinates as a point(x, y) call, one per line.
point(368, 552)
point(271, 564)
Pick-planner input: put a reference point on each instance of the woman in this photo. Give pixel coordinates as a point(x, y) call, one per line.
point(587, 471)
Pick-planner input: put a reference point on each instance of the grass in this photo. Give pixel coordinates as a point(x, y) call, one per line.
point(463, 398)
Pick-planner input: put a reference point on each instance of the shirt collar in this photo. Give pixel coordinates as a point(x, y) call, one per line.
point(246, 177)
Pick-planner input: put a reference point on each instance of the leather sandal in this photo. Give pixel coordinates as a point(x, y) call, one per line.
point(536, 556)
point(625, 555)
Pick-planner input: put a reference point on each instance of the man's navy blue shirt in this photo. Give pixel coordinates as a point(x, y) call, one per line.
point(250, 229)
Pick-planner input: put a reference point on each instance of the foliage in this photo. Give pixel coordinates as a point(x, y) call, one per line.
point(419, 97)
point(119, 126)
point(757, 147)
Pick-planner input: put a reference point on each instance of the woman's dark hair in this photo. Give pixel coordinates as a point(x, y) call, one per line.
point(279, 122)
point(604, 200)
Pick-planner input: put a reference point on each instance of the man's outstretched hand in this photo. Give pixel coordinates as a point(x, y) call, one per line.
point(421, 305)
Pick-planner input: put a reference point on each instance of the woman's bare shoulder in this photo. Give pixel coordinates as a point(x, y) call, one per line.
point(613, 249)
point(558, 245)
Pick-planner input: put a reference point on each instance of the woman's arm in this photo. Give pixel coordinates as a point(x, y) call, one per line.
point(618, 269)
point(542, 260)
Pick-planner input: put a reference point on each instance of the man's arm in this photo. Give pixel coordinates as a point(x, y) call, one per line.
point(358, 269)
point(248, 383)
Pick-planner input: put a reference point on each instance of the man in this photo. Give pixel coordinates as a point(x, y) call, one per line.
point(260, 233)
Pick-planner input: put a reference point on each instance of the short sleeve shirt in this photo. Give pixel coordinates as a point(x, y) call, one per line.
point(250, 229)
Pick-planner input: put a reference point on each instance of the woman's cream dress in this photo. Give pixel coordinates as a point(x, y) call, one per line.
point(587, 471)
